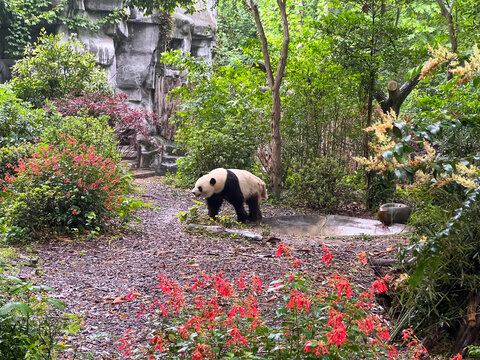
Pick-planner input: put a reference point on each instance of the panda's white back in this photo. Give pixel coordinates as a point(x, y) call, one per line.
point(250, 184)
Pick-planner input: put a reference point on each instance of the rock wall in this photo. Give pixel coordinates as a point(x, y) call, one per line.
point(130, 50)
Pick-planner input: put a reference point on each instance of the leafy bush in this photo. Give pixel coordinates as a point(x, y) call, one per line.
point(381, 189)
point(322, 316)
point(11, 155)
point(19, 123)
point(441, 263)
point(54, 68)
point(32, 325)
point(320, 184)
point(63, 188)
point(221, 120)
point(92, 131)
point(126, 120)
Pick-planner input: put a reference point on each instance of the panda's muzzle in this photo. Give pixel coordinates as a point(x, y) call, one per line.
point(197, 191)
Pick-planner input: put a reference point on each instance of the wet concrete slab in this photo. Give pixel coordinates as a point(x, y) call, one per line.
point(296, 224)
point(337, 225)
point(331, 225)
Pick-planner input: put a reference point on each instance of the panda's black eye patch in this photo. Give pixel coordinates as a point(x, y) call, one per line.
point(200, 189)
point(213, 181)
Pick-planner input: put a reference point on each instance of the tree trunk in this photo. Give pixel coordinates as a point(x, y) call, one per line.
point(396, 96)
point(447, 13)
point(275, 172)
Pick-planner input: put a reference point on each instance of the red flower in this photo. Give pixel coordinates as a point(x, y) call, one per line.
point(296, 262)
point(282, 248)
point(197, 355)
point(321, 347)
point(235, 333)
point(74, 212)
point(406, 334)
point(341, 284)
point(298, 300)
point(327, 255)
point(380, 285)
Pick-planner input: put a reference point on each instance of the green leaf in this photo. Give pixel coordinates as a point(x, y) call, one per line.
point(56, 303)
point(15, 306)
point(387, 155)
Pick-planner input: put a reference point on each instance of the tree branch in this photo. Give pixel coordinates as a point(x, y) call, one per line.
point(408, 86)
point(443, 8)
point(263, 39)
point(282, 62)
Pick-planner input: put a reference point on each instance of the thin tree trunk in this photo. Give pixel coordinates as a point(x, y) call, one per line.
point(275, 172)
point(447, 13)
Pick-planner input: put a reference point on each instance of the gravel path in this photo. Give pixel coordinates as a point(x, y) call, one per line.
point(93, 276)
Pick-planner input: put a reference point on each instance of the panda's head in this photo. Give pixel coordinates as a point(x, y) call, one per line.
point(210, 184)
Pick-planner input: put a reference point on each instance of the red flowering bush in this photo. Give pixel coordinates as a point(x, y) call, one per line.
point(63, 188)
point(314, 317)
point(126, 120)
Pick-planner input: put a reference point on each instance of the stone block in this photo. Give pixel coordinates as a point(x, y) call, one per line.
point(101, 46)
point(102, 5)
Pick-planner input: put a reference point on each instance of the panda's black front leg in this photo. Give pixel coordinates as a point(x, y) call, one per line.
point(214, 203)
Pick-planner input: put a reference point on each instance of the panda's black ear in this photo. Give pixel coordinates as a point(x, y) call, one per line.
point(213, 181)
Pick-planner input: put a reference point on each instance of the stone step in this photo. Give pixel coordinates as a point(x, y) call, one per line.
point(143, 173)
point(169, 159)
point(131, 164)
point(167, 168)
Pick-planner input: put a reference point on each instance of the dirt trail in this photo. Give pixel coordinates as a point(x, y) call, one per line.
point(92, 276)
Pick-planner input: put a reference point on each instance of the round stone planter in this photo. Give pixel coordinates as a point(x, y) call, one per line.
point(393, 213)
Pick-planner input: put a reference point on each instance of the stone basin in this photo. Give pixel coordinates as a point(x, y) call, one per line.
point(331, 225)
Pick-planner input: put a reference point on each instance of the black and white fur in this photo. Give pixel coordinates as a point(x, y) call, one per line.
point(237, 187)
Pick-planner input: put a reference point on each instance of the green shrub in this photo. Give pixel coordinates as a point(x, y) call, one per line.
point(54, 68)
point(381, 189)
point(32, 325)
point(320, 184)
point(11, 155)
point(64, 188)
point(92, 131)
point(19, 123)
point(221, 119)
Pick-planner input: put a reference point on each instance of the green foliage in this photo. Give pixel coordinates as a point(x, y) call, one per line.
point(167, 5)
point(442, 260)
point(32, 324)
point(320, 184)
point(192, 215)
point(381, 189)
point(432, 209)
point(64, 188)
point(92, 131)
point(450, 275)
point(54, 68)
point(19, 123)
point(221, 120)
point(11, 155)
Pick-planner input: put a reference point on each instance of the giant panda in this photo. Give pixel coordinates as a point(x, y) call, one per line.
point(237, 187)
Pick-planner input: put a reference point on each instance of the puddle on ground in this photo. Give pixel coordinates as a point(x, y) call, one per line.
point(331, 225)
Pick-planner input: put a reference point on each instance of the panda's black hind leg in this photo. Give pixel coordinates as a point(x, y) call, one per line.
point(254, 209)
point(240, 210)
